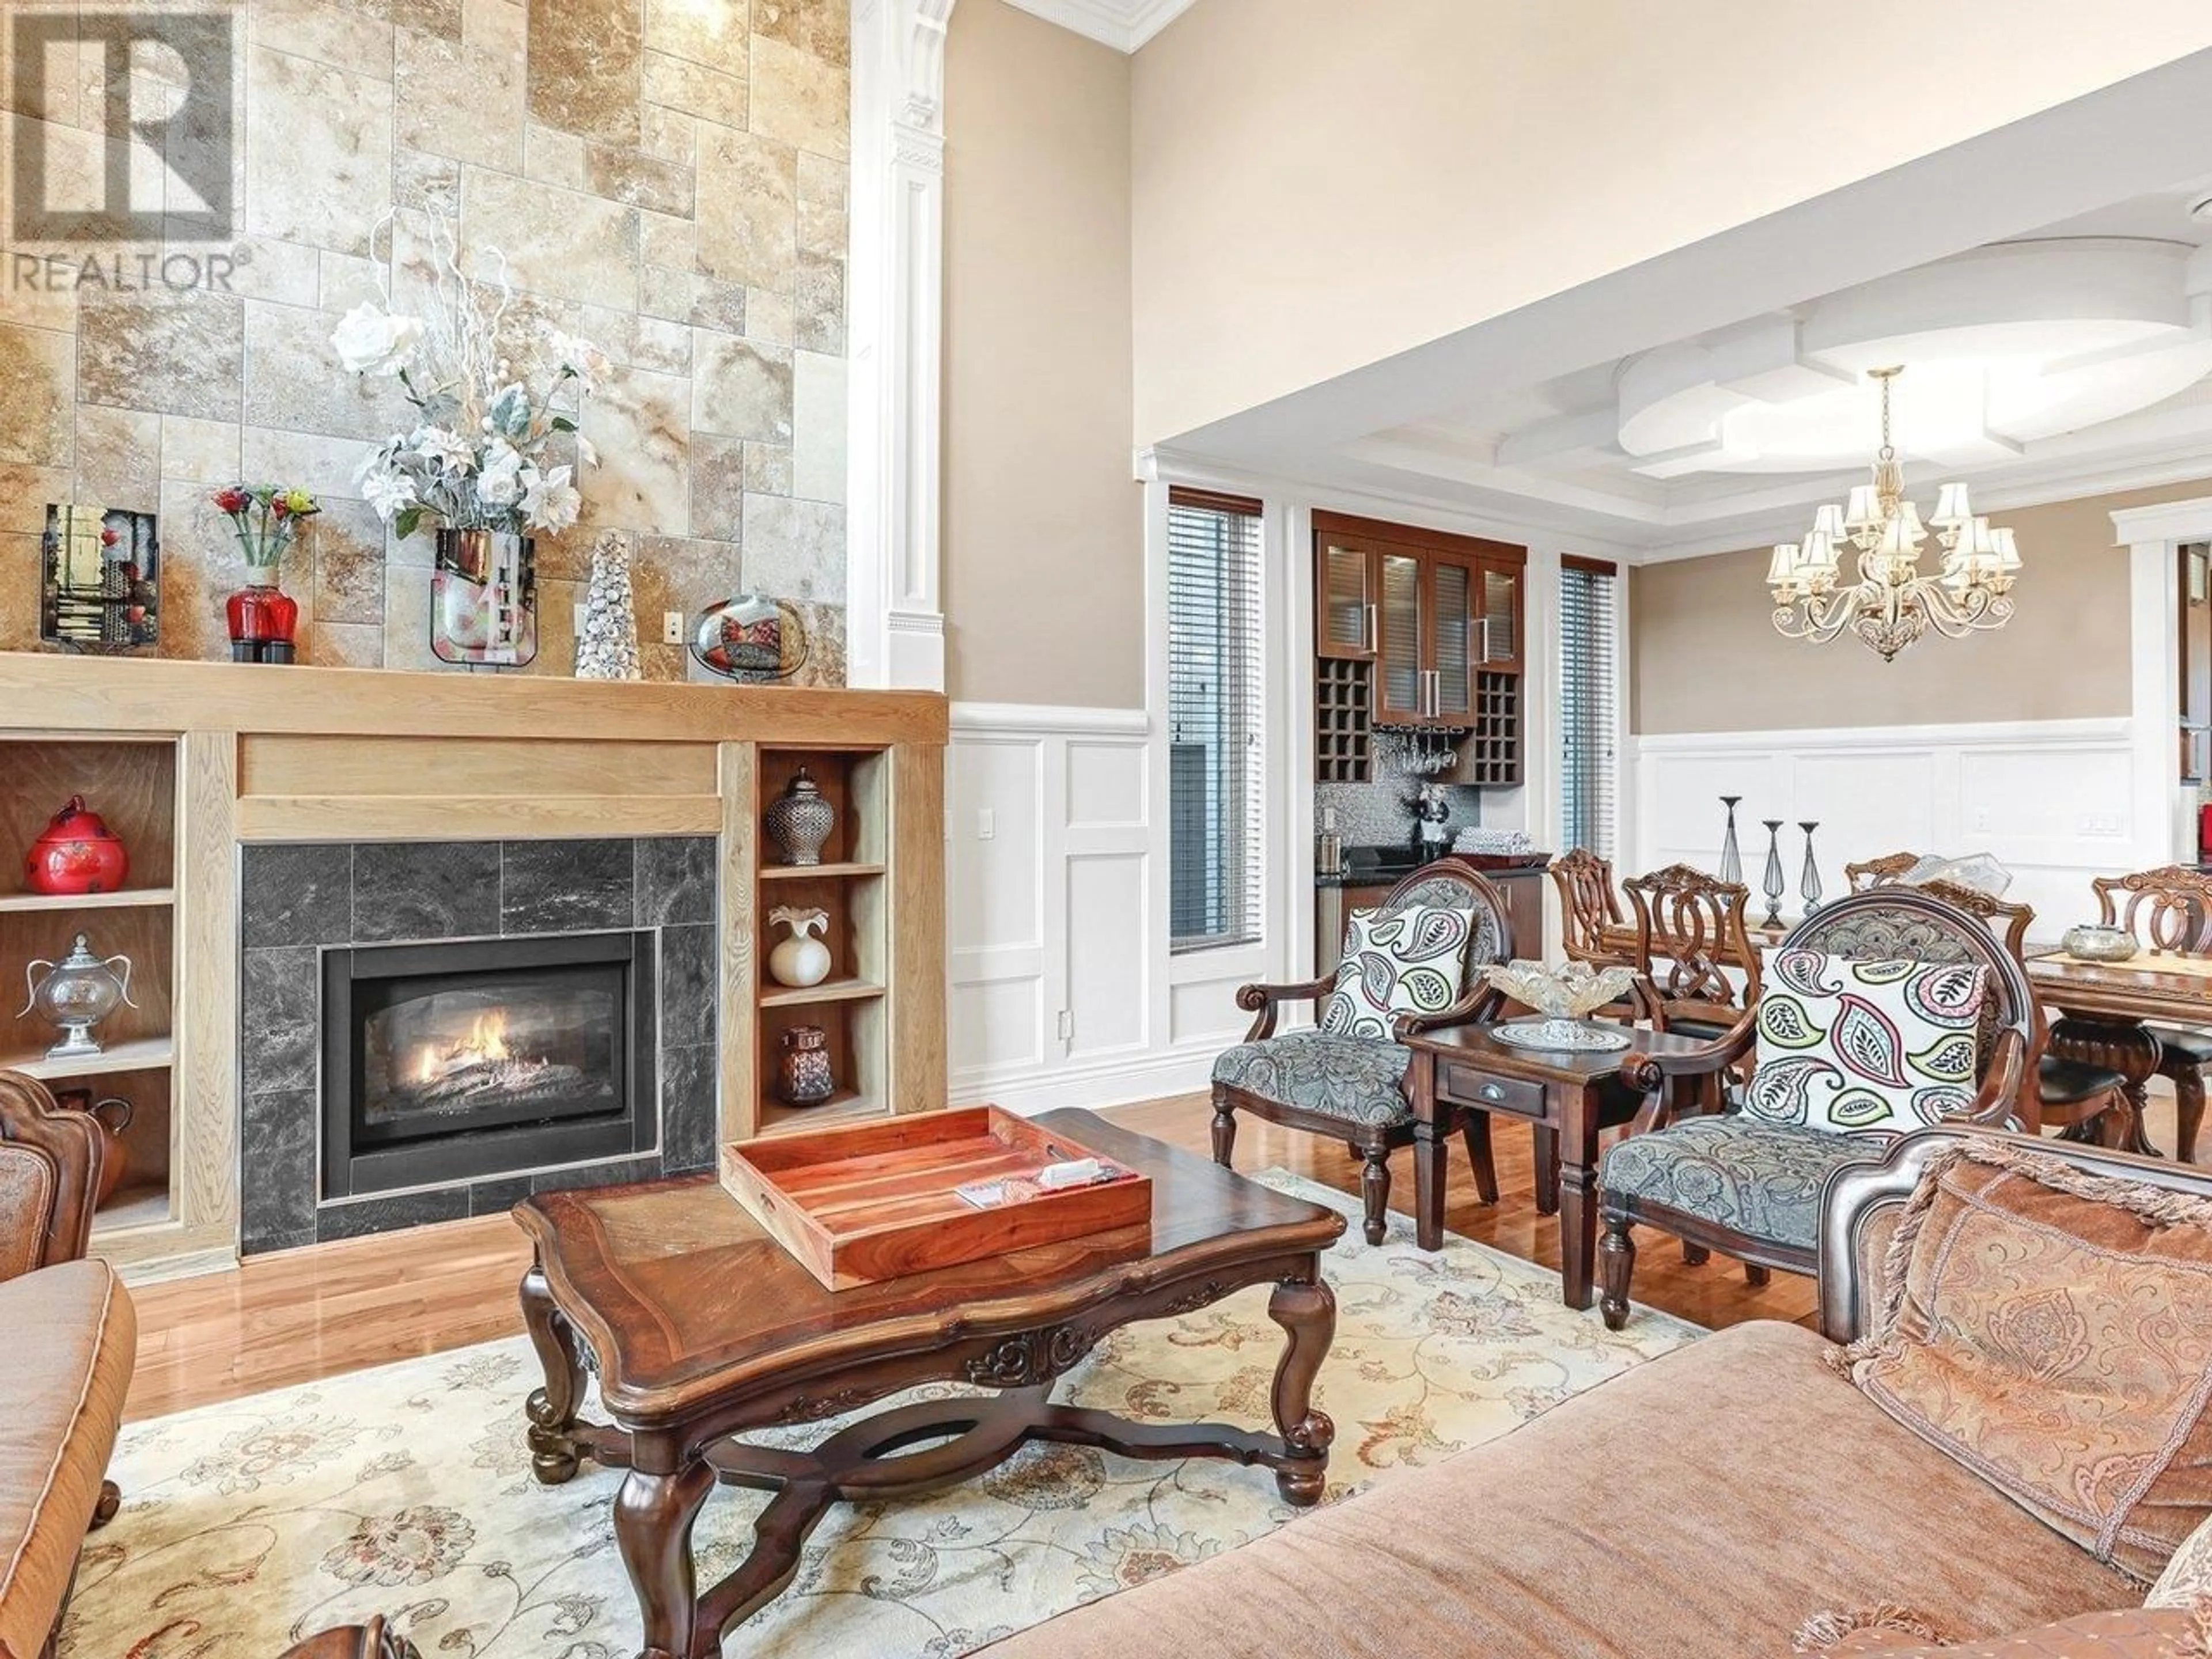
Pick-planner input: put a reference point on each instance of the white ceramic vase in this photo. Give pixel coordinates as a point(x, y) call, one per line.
point(802, 959)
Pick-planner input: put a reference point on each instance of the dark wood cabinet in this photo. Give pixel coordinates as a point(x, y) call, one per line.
point(1433, 622)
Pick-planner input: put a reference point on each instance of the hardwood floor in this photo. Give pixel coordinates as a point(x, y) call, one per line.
point(335, 1308)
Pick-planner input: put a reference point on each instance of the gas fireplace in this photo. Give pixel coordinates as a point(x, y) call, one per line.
point(444, 1062)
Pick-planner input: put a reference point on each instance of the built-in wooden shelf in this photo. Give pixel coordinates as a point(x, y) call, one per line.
point(846, 1106)
point(815, 871)
point(134, 1204)
point(138, 1054)
point(130, 898)
point(831, 990)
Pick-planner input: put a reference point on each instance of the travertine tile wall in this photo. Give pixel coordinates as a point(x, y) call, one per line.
point(667, 178)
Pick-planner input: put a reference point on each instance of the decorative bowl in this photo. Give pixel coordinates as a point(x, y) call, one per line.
point(2091, 942)
point(1570, 991)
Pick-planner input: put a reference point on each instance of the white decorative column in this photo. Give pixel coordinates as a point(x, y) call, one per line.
point(894, 617)
point(2162, 818)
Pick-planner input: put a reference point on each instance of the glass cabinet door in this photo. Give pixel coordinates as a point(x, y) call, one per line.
point(1453, 597)
point(1344, 619)
point(1499, 643)
point(1403, 628)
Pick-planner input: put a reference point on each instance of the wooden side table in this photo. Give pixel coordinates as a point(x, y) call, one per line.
point(1465, 1069)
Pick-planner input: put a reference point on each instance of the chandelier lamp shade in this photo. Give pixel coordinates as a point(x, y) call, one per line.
point(1892, 601)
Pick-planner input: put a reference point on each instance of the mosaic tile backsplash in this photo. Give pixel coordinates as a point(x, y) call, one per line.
point(1380, 813)
point(667, 177)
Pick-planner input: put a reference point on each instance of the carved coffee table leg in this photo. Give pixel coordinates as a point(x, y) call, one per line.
point(653, 1514)
point(1306, 1310)
point(552, 1409)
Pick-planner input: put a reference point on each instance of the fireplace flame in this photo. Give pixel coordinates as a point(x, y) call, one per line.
point(485, 1044)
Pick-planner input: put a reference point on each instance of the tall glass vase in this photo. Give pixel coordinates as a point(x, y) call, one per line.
point(1772, 883)
point(1731, 860)
point(1808, 882)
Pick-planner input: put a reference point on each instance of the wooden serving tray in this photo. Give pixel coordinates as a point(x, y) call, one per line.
point(876, 1200)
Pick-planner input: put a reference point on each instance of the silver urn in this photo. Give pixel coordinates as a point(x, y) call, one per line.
point(76, 994)
point(801, 819)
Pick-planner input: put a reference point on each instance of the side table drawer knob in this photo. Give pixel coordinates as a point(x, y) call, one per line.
point(1492, 1091)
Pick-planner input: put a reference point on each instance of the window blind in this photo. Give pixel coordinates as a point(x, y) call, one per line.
point(1590, 705)
point(1215, 786)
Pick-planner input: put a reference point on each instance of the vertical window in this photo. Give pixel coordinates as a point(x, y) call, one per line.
point(1590, 705)
point(1215, 803)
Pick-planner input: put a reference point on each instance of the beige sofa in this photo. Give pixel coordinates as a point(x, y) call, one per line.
point(1705, 1504)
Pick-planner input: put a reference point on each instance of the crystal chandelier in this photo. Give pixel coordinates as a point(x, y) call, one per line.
point(1892, 604)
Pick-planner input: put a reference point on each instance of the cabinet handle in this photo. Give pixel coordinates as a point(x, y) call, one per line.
point(1373, 633)
point(1478, 638)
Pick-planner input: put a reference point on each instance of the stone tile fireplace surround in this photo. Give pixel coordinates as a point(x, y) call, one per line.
point(296, 899)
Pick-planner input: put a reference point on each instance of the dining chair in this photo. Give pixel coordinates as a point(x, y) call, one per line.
point(2169, 910)
point(1352, 1086)
point(1589, 906)
point(1690, 935)
point(2067, 1093)
point(1747, 1183)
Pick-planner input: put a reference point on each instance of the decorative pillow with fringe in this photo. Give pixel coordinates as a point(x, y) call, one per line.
point(2123, 1633)
point(2051, 1329)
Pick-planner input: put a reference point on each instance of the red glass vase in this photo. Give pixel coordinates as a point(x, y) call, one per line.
point(263, 620)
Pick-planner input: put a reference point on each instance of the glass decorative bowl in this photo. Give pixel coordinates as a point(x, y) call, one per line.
point(2092, 942)
point(1573, 990)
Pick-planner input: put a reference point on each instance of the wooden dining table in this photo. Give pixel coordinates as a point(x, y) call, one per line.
point(2106, 1009)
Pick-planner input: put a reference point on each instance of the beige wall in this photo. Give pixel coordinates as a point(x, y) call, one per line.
point(1704, 655)
point(667, 181)
point(1043, 528)
point(1318, 185)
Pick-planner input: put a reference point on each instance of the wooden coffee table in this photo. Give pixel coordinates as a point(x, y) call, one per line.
point(702, 1327)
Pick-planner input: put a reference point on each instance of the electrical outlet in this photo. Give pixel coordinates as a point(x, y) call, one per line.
point(672, 628)
point(987, 823)
point(581, 609)
point(1066, 1025)
point(1981, 819)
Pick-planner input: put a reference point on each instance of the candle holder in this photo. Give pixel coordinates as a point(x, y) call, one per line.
point(1731, 860)
point(1772, 885)
point(1809, 881)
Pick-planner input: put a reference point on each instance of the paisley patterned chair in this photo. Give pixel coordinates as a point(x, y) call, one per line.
point(1751, 1188)
point(1352, 1087)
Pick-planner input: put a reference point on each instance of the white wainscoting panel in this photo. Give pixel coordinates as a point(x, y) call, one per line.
point(2050, 800)
point(1052, 900)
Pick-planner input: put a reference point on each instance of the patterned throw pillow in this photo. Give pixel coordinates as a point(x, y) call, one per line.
point(1847, 1047)
point(2051, 1329)
point(1398, 962)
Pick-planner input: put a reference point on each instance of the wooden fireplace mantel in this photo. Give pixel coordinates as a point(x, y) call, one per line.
point(258, 754)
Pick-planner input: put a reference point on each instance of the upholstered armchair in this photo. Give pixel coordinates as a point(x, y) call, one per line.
point(2169, 910)
point(1749, 1187)
point(1350, 1085)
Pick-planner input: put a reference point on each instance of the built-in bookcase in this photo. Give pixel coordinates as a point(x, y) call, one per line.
point(133, 786)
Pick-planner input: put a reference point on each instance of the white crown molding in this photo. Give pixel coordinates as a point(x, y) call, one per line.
point(2168, 521)
point(1124, 25)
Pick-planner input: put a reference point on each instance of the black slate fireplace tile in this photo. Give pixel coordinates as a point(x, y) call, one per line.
point(359, 1216)
point(597, 1175)
point(687, 985)
point(277, 1020)
point(555, 886)
point(688, 1126)
point(425, 890)
point(276, 1138)
point(296, 894)
point(498, 1197)
point(675, 879)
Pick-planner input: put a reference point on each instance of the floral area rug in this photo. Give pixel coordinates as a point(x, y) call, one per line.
point(407, 1489)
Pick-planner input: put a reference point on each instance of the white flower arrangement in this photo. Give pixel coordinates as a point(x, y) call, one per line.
point(480, 455)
